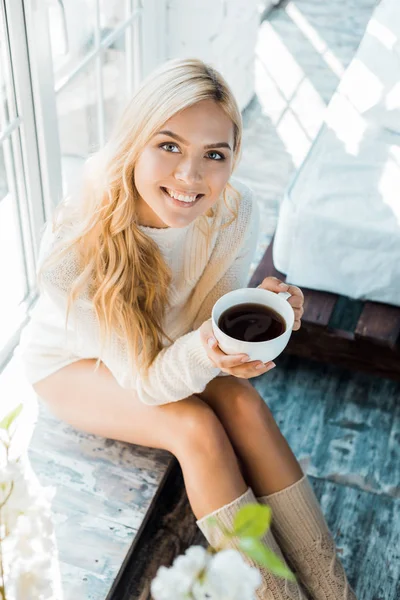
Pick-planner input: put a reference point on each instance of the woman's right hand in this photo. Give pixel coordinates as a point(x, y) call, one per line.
point(237, 365)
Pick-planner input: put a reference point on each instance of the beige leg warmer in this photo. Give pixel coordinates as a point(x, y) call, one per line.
point(272, 587)
point(302, 532)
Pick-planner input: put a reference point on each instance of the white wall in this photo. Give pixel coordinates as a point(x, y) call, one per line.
point(220, 32)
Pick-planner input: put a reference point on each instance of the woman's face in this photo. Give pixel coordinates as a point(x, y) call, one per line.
point(191, 156)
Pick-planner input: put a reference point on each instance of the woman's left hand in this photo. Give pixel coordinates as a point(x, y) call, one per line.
point(296, 300)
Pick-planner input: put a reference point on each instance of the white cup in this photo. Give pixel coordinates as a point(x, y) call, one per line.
point(264, 351)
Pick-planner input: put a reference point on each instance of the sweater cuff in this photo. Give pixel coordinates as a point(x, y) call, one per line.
point(198, 357)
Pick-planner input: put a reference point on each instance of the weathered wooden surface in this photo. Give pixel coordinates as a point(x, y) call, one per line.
point(345, 427)
point(380, 323)
point(104, 491)
point(169, 530)
point(340, 348)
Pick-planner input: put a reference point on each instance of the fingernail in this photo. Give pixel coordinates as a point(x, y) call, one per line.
point(244, 359)
point(260, 366)
point(211, 342)
point(283, 285)
point(273, 365)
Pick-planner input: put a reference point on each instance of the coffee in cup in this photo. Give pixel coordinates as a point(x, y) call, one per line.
point(253, 321)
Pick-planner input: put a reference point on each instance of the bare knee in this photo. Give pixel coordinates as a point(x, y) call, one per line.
point(200, 432)
point(238, 403)
point(248, 408)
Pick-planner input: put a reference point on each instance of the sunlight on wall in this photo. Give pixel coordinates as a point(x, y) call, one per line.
point(315, 39)
point(286, 94)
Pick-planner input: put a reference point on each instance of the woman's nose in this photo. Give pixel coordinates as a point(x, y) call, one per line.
point(189, 171)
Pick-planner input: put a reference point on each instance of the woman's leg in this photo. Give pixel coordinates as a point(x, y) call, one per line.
point(189, 429)
point(273, 472)
point(268, 463)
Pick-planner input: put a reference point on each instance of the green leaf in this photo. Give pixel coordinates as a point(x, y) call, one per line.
point(262, 555)
point(8, 419)
point(252, 520)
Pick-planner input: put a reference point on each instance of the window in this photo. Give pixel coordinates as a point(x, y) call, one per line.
point(21, 208)
point(95, 49)
point(67, 69)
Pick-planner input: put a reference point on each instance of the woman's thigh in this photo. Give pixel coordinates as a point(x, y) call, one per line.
point(93, 401)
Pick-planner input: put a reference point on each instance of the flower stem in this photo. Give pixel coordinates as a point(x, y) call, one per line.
point(2, 582)
point(8, 495)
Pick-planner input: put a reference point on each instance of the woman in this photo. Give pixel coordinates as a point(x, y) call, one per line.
point(120, 343)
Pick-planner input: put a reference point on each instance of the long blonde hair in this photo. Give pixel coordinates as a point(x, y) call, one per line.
point(122, 267)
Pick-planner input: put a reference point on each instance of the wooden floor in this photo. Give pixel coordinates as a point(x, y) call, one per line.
point(345, 426)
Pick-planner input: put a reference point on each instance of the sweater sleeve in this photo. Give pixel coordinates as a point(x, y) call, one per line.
point(177, 372)
point(184, 368)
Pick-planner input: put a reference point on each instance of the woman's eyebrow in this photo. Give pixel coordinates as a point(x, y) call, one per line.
point(180, 139)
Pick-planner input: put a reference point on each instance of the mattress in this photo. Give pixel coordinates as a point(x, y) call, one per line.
point(339, 222)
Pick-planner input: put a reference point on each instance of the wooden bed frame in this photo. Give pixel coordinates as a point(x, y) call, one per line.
point(373, 344)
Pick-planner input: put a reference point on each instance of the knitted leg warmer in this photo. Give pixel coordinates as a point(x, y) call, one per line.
point(272, 587)
point(302, 532)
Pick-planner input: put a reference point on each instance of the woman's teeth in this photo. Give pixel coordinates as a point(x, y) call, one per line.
point(181, 197)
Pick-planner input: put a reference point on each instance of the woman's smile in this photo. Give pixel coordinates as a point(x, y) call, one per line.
point(180, 199)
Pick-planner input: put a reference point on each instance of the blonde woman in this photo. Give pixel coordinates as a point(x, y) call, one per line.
point(118, 344)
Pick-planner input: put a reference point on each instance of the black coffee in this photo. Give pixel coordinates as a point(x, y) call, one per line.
point(251, 322)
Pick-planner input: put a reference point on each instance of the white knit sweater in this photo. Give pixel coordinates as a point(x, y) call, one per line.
point(199, 279)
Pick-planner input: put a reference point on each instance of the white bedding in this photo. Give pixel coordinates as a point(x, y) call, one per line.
point(339, 223)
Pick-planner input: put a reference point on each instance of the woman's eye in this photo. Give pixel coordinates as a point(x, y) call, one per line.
point(164, 146)
point(220, 156)
point(168, 145)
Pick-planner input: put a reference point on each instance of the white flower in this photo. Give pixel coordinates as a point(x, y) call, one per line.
point(192, 562)
point(26, 584)
point(228, 577)
point(26, 537)
point(224, 576)
point(30, 559)
point(170, 585)
point(10, 472)
point(33, 580)
point(175, 583)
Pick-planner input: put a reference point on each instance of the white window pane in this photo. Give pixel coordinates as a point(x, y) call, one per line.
point(72, 34)
point(78, 125)
point(12, 272)
point(112, 14)
point(115, 83)
point(6, 90)
point(11, 259)
point(77, 114)
point(3, 176)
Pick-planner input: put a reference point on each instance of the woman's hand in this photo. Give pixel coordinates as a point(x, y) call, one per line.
point(296, 299)
point(231, 363)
